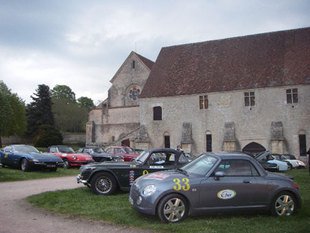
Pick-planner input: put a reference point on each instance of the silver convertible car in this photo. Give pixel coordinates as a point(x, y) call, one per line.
point(214, 182)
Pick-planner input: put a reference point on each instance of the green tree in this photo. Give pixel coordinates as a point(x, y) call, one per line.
point(12, 113)
point(85, 102)
point(63, 92)
point(70, 115)
point(39, 111)
point(40, 118)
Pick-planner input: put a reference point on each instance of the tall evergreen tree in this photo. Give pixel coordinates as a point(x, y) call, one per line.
point(39, 111)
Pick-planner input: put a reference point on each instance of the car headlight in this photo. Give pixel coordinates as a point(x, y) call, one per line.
point(149, 190)
point(35, 160)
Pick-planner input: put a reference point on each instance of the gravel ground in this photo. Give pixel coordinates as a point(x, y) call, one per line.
point(18, 216)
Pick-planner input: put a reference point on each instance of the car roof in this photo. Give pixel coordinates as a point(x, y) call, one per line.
point(229, 155)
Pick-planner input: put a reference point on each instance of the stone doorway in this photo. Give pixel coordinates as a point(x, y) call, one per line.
point(125, 142)
point(253, 148)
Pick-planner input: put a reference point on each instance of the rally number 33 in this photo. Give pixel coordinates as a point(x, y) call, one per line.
point(181, 184)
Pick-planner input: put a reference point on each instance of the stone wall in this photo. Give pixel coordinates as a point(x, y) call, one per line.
point(251, 124)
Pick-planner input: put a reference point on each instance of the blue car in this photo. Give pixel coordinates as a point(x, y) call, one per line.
point(214, 183)
point(28, 158)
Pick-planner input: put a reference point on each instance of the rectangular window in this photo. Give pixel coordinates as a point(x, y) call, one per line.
point(249, 98)
point(302, 145)
point(203, 102)
point(133, 64)
point(292, 96)
point(209, 142)
point(157, 113)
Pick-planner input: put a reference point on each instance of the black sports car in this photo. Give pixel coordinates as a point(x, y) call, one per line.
point(106, 177)
point(28, 157)
point(214, 182)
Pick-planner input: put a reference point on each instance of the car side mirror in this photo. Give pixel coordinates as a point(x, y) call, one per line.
point(218, 175)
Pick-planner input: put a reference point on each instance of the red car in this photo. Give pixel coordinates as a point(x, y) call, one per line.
point(128, 153)
point(69, 157)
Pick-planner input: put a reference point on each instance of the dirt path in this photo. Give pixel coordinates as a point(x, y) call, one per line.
point(18, 216)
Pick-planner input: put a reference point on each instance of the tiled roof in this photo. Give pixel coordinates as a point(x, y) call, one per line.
point(255, 61)
point(146, 61)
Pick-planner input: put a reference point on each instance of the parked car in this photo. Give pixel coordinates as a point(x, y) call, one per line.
point(214, 183)
point(69, 156)
point(266, 156)
point(290, 160)
point(28, 158)
point(126, 152)
point(99, 155)
point(268, 166)
point(105, 178)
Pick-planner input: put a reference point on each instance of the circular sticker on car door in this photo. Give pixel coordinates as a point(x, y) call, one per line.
point(226, 194)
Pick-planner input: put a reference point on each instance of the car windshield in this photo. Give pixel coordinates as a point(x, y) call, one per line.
point(98, 150)
point(142, 157)
point(289, 157)
point(278, 157)
point(200, 166)
point(129, 150)
point(66, 149)
point(25, 149)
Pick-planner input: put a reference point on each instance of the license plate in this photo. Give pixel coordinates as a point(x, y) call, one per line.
point(50, 165)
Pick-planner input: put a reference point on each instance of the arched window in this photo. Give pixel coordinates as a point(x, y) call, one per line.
point(157, 113)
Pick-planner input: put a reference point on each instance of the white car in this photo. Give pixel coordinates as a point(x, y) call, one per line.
point(266, 156)
point(291, 160)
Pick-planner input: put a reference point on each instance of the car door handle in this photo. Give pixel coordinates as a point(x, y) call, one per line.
point(246, 182)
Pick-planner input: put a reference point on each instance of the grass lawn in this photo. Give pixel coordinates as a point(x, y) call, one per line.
point(116, 209)
point(12, 174)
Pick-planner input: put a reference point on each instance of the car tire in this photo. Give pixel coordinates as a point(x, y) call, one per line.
point(103, 184)
point(172, 208)
point(24, 165)
point(283, 204)
point(66, 164)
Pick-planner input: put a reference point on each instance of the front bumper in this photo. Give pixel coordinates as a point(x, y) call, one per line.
point(140, 203)
point(80, 180)
point(49, 165)
point(76, 163)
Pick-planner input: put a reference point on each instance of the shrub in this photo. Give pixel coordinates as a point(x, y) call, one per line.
point(46, 136)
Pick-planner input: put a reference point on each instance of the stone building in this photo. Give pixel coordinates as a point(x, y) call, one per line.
point(116, 120)
point(247, 93)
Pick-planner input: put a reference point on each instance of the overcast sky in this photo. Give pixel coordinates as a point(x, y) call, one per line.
point(82, 43)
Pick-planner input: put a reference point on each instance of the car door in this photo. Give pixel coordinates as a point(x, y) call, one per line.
point(157, 161)
point(241, 186)
point(7, 157)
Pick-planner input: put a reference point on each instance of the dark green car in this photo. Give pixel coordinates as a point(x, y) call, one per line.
point(107, 177)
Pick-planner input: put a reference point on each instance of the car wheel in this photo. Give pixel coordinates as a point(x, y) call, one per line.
point(66, 164)
point(172, 208)
point(24, 165)
point(284, 204)
point(103, 184)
